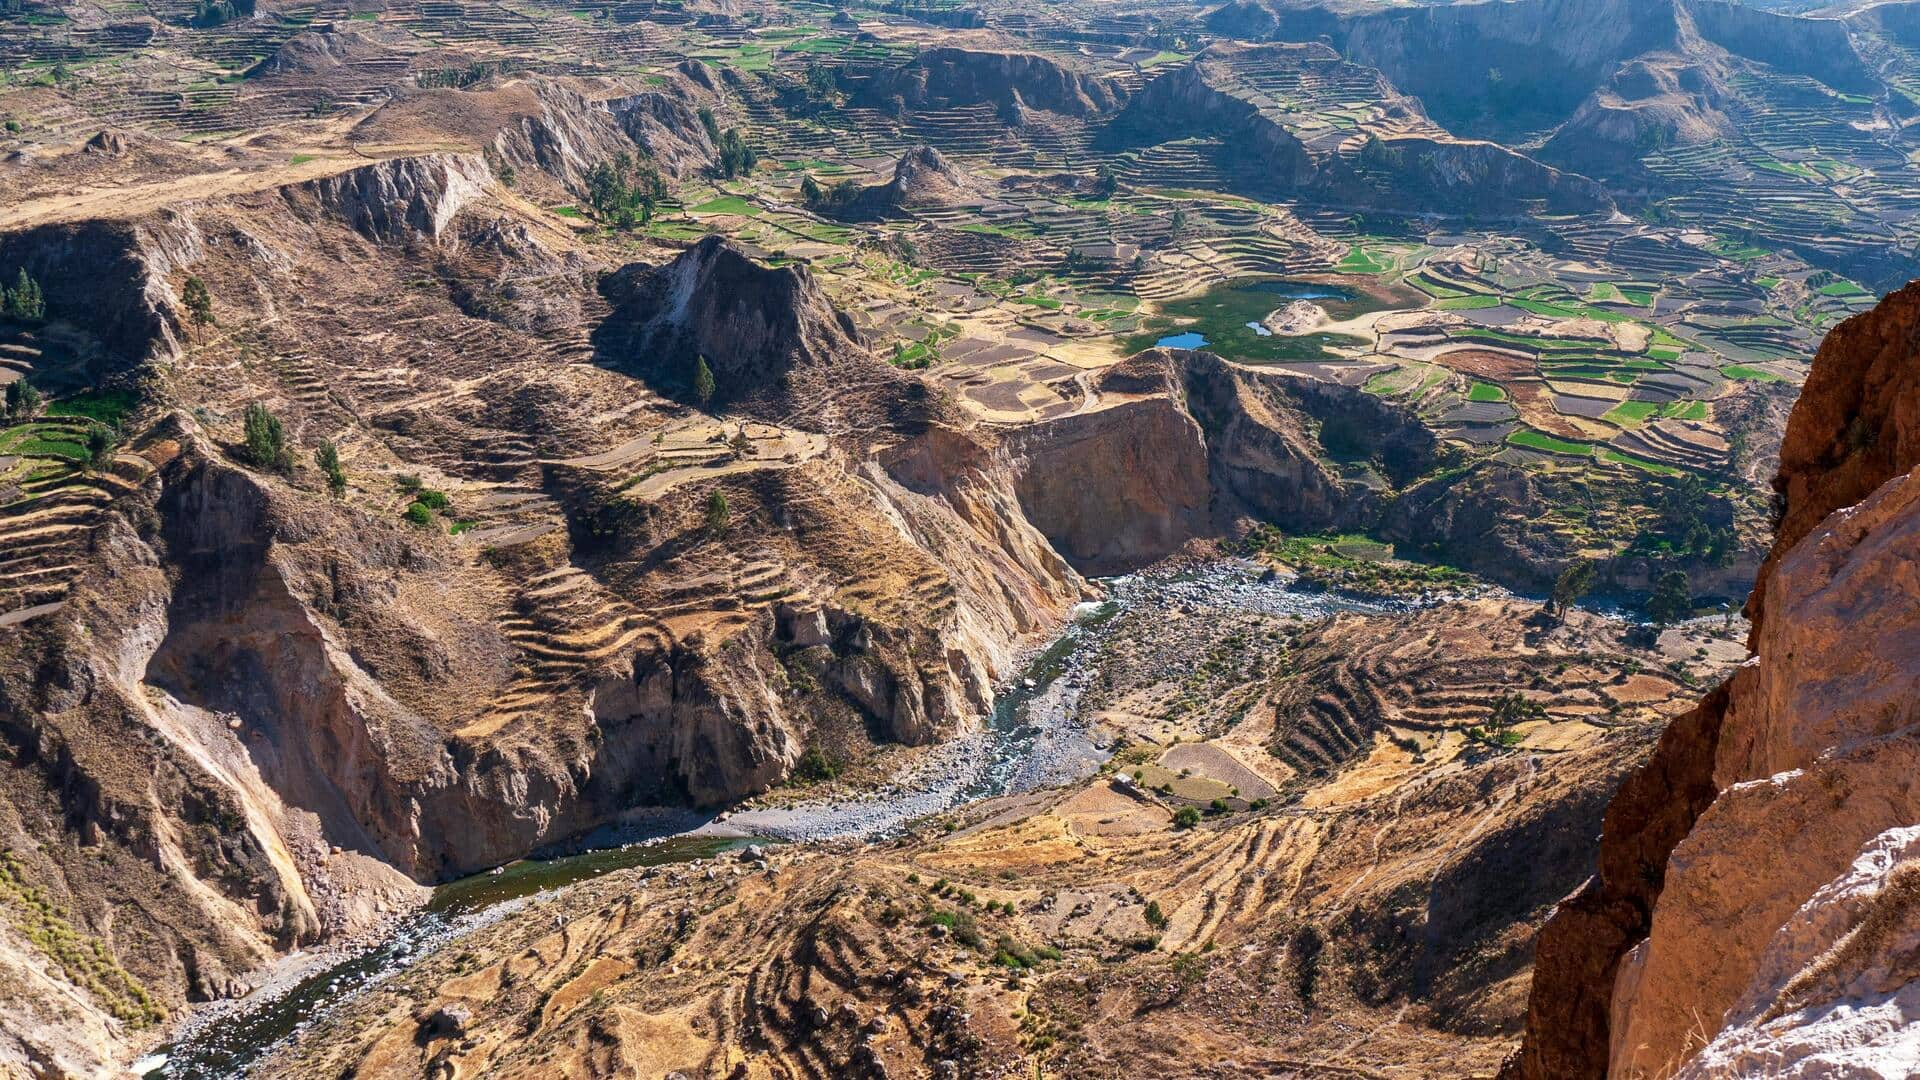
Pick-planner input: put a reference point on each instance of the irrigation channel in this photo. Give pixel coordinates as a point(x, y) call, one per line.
point(1034, 739)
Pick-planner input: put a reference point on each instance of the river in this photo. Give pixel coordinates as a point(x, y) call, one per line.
point(1034, 739)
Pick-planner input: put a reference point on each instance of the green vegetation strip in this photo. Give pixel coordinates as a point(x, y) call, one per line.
point(82, 958)
point(1536, 440)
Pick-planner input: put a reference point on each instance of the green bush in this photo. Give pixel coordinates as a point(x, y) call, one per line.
point(327, 456)
point(266, 440)
point(815, 766)
point(1186, 817)
point(419, 514)
point(102, 441)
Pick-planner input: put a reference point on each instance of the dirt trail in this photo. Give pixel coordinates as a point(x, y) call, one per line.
point(139, 200)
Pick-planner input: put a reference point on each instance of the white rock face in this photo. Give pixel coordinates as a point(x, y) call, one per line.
point(1836, 994)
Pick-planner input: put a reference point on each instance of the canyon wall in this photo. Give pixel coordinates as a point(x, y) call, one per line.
point(263, 717)
point(1410, 171)
point(1753, 911)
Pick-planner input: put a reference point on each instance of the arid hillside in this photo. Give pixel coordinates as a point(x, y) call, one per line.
point(1306, 856)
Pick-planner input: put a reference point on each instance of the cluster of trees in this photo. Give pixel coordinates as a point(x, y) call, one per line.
point(1509, 709)
point(23, 402)
point(1671, 602)
point(625, 192)
point(459, 78)
point(265, 446)
point(24, 301)
point(736, 157)
point(217, 12)
point(821, 85)
point(814, 93)
point(265, 443)
point(819, 197)
point(1684, 526)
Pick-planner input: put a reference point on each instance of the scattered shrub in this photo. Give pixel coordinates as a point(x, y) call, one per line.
point(327, 456)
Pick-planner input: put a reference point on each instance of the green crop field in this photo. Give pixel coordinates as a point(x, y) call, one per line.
point(1535, 440)
point(1362, 260)
point(1631, 412)
point(1642, 464)
point(727, 204)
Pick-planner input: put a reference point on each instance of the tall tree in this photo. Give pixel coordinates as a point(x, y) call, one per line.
point(24, 301)
point(1672, 599)
point(102, 441)
point(198, 300)
point(703, 384)
point(1571, 585)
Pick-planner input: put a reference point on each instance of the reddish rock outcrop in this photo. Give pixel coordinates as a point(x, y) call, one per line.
point(1705, 943)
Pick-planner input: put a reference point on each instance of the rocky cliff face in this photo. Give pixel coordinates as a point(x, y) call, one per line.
point(1538, 64)
point(110, 277)
point(399, 197)
point(564, 133)
point(923, 178)
point(1121, 487)
point(1754, 898)
point(951, 77)
point(775, 345)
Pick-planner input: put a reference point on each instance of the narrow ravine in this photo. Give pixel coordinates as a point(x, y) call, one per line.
point(1034, 739)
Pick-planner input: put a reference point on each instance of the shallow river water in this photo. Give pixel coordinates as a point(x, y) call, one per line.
point(1034, 739)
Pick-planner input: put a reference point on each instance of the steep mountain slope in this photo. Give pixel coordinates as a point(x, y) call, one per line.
point(946, 77)
point(250, 717)
point(1753, 910)
point(923, 179)
point(1395, 160)
point(1537, 62)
